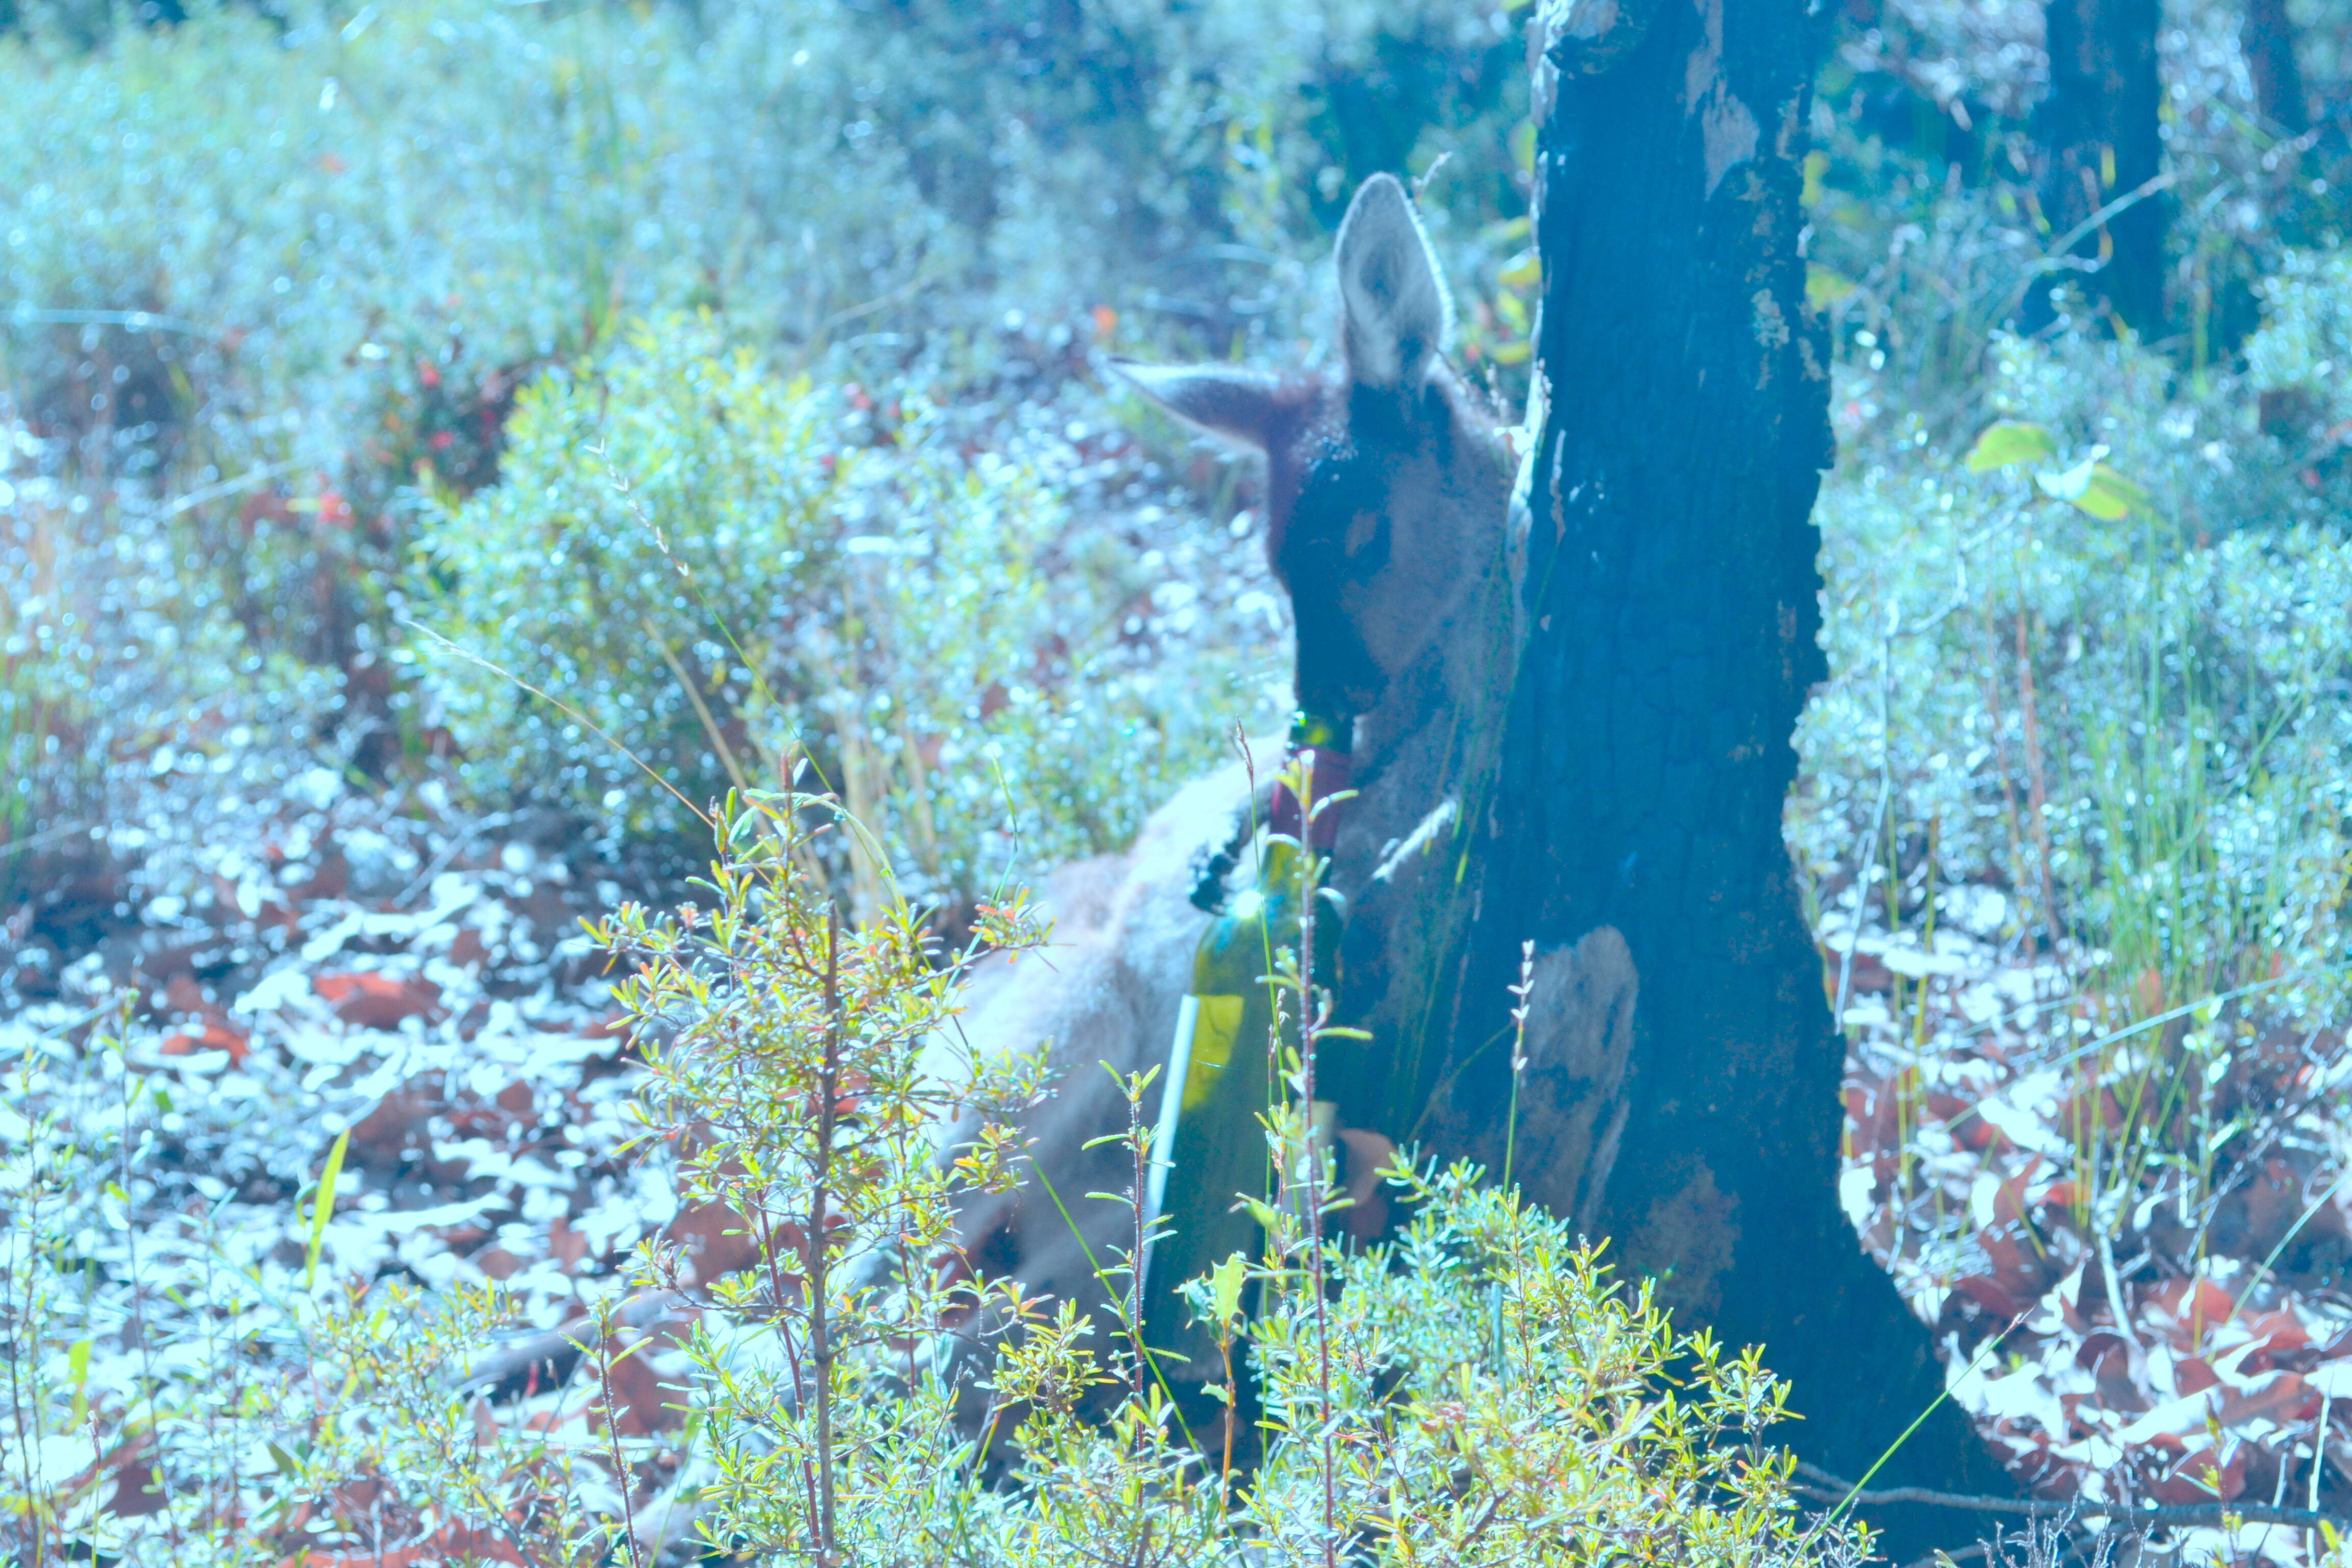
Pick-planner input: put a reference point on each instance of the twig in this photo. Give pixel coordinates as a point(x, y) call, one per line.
point(244, 481)
point(562, 707)
point(48, 835)
point(27, 315)
point(2059, 258)
point(701, 708)
point(621, 1476)
point(1821, 1486)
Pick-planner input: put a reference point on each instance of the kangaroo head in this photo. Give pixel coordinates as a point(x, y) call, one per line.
point(1385, 485)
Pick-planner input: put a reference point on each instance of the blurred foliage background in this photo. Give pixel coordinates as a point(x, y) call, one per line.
point(803, 294)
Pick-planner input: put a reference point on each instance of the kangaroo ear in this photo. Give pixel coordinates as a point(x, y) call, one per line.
point(1242, 405)
point(1394, 312)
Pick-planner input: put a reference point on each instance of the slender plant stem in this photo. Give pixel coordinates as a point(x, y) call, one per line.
point(1311, 1029)
point(612, 1432)
point(2037, 781)
point(1137, 1143)
point(820, 1347)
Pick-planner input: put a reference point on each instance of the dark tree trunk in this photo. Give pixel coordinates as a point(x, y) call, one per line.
point(2267, 36)
point(2099, 141)
point(1683, 1095)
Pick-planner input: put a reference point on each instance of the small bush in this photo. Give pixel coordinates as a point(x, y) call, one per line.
point(1477, 1392)
point(693, 558)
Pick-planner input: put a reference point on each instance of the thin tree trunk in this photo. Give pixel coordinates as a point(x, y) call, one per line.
point(2099, 141)
point(2267, 39)
point(1683, 1081)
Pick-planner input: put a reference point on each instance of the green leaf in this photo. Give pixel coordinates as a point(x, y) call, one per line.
point(2009, 441)
point(1225, 1287)
point(2112, 497)
point(1522, 271)
point(285, 1463)
point(325, 1206)
point(2091, 487)
point(1825, 287)
point(77, 1373)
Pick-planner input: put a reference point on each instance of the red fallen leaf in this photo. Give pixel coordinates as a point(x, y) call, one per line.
point(2277, 1333)
point(216, 1033)
point(497, 1262)
point(2203, 1476)
point(2195, 1375)
point(2094, 1106)
point(565, 1245)
point(2189, 1309)
point(2282, 1398)
point(373, 1000)
point(215, 1037)
point(1872, 1109)
point(2108, 1356)
point(1987, 1292)
point(612, 1027)
point(396, 1124)
point(2023, 1274)
point(715, 1241)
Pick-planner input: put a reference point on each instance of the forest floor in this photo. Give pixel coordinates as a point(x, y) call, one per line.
point(2207, 1364)
point(382, 964)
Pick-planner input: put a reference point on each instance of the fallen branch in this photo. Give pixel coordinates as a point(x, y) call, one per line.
point(1826, 1488)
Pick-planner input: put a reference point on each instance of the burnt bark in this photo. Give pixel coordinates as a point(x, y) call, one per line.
point(2267, 37)
point(1683, 1060)
point(2099, 141)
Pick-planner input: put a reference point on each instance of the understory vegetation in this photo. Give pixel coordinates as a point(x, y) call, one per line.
point(444, 447)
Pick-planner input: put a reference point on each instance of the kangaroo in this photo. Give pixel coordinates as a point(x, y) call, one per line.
point(1393, 525)
point(1388, 487)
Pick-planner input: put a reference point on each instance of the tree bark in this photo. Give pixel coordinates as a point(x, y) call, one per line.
point(2267, 37)
point(1683, 1071)
point(2099, 139)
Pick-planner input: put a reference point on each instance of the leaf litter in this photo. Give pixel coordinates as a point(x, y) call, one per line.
point(2130, 1233)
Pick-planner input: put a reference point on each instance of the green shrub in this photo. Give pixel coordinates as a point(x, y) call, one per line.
point(2185, 676)
point(1477, 1392)
point(195, 1378)
point(694, 558)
